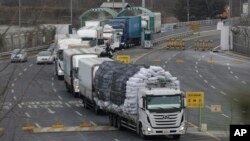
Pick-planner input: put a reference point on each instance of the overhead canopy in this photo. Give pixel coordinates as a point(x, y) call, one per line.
point(83, 17)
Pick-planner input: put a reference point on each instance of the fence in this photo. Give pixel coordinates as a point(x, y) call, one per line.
point(241, 41)
point(28, 39)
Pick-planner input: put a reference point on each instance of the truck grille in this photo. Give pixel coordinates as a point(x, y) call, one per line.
point(166, 120)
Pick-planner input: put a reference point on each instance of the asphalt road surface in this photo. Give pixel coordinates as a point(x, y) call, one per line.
point(34, 96)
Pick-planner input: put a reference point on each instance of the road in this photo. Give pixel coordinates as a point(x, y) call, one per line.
point(35, 96)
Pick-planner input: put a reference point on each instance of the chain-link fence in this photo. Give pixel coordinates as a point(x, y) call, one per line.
point(241, 40)
point(27, 39)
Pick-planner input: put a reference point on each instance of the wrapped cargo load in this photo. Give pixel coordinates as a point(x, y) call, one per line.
point(118, 84)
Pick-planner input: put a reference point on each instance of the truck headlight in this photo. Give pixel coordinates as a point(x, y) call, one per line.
point(182, 128)
point(149, 129)
point(60, 71)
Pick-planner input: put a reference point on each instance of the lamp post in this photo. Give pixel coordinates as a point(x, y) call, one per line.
point(188, 10)
point(71, 12)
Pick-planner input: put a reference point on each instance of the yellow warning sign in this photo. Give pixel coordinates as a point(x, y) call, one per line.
point(193, 26)
point(123, 58)
point(195, 99)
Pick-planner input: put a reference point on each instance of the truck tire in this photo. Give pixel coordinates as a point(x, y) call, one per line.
point(142, 136)
point(176, 137)
point(67, 87)
point(85, 103)
point(110, 119)
point(119, 123)
point(114, 121)
point(96, 109)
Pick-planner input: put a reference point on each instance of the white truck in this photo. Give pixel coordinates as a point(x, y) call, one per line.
point(71, 59)
point(144, 99)
point(91, 35)
point(62, 45)
point(112, 36)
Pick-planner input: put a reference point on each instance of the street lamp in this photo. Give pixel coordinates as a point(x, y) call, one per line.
point(71, 12)
point(188, 10)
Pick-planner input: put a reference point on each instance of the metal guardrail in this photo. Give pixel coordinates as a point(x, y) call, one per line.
point(28, 50)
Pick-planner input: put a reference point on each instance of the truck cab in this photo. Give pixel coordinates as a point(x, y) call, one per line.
point(161, 112)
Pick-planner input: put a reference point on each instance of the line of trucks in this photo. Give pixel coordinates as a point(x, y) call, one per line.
point(145, 99)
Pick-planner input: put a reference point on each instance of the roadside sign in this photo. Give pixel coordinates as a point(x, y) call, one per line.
point(123, 58)
point(193, 26)
point(216, 108)
point(195, 99)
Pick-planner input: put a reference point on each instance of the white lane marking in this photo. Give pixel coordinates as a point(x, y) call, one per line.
point(91, 122)
point(116, 140)
point(166, 62)
point(20, 74)
point(37, 125)
point(231, 72)
point(25, 69)
point(164, 66)
point(67, 104)
point(195, 67)
point(52, 84)
point(236, 77)
point(28, 115)
point(52, 78)
point(19, 105)
point(15, 79)
point(30, 65)
point(229, 68)
point(12, 91)
point(199, 59)
point(236, 100)
point(12, 85)
point(213, 87)
point(200, 76)
point(50, 111)
point(223, 93)
point(244, 82)
point(14, 97)
point(60, 97)
point(228, 64)
point(55, 90)
point(196, 63)
point(203, 56)
point(205, 81)
point(78, 113)
point(197, 71)
point(225, 115)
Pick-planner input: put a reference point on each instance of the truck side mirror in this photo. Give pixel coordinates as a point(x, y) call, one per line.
point(184, 102)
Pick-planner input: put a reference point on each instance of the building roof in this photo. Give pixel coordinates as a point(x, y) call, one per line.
point(115, 5)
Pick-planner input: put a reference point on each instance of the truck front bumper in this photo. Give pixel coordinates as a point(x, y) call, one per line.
point(170, 131)
point(60, 72)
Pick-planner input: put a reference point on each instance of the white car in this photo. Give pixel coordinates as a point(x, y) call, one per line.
point(19, 55)
point(44, 57)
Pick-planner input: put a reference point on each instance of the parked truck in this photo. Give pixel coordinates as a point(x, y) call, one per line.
point(112, 36)
point(145, 99)
point(61, 45)
point(131, 27)
point(91, 35)
point(70, 61)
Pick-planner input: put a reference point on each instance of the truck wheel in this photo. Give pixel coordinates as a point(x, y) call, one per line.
point(176, 137)
point(67, 87)
point(114, 121)
point(119, 123)
point(110, 119)
point(142, 136)
point(84, 102)
point(96, 109)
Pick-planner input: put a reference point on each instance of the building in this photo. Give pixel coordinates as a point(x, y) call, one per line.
point(117, 6)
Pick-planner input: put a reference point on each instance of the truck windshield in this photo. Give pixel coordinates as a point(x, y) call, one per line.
point(163, 102)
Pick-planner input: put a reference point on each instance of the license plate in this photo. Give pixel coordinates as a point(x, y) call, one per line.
point(165, 131)
point(44, 59)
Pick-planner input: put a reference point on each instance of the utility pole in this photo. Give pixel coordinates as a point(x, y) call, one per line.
point(19, 20)
point(143, 3)
point(123, 4)
point(188, 10)
point(71, 12)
